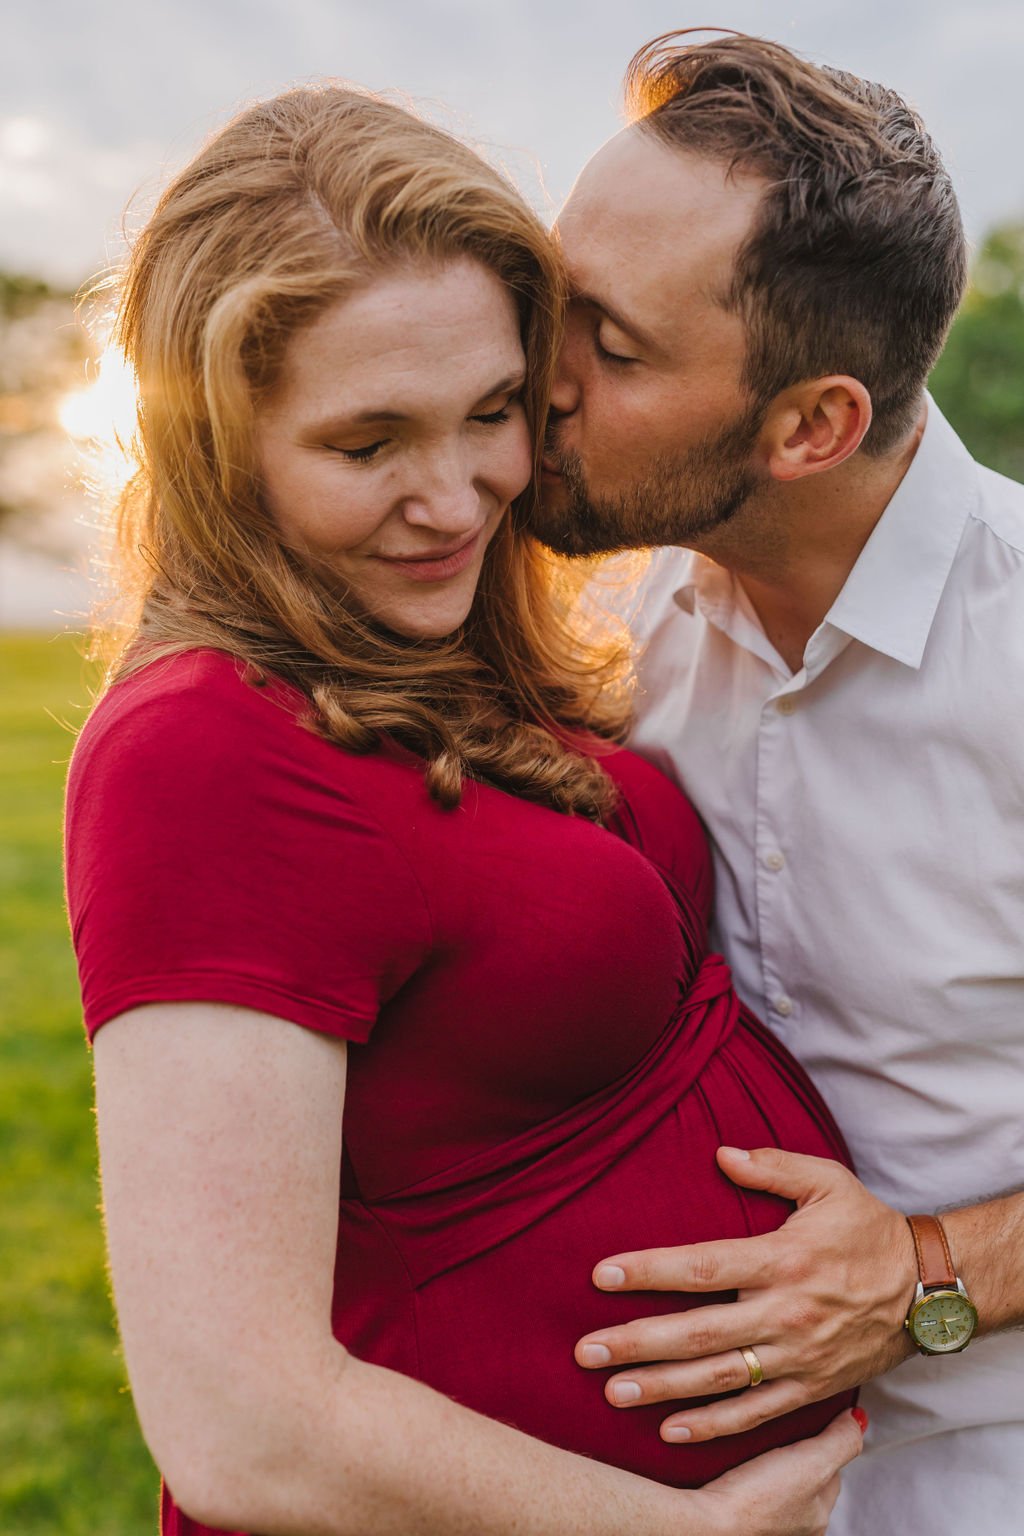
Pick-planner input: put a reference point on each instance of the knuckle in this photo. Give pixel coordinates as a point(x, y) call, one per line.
point(705, 1268)
point(730, 1418)
point(725, 1377)
point(630, 1348)
point(755, 1415)
point(655, 1386)
point(638, 1273)
point(700, 1339)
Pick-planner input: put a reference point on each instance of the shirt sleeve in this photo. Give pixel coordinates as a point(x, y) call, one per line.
point(215, 853)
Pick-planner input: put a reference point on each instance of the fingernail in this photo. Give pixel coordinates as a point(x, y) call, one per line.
point(609, 1276)
point(626, 1392)
point(860, 1418)
point(735, 1152)
point(676, 1432)
point(596, 1354)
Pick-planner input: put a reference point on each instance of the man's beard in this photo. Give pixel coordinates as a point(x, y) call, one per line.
point(678, 501)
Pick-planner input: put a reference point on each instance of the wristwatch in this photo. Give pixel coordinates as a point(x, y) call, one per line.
point(942, 1317)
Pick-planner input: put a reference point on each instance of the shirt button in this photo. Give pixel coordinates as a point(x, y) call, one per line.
point(786, 704)
point(774, 861)
point(783, 1006)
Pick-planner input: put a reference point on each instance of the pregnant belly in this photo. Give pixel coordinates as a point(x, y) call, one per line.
point(496, 1332)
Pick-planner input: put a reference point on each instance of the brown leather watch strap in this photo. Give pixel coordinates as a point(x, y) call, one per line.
point(933, 1259)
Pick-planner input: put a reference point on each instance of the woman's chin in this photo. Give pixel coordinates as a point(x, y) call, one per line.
point(423, 623)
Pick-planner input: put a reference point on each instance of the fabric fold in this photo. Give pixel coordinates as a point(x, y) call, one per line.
point(461, 1212)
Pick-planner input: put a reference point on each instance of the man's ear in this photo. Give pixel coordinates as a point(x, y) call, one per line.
point(815, 426)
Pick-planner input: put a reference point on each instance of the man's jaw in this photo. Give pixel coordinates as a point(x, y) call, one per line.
point(679, 502)
point(567, 519)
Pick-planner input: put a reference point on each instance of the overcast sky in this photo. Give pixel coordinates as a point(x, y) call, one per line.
point(103, 99)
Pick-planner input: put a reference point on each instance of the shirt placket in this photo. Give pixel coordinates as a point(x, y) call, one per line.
point(775, 821)
point(725, 608)
point(772, 853)
point(775, 807)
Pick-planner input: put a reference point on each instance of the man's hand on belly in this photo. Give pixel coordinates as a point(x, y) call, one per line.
point(821, 1301)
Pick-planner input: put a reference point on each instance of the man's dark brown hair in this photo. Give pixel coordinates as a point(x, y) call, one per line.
point(856, 260)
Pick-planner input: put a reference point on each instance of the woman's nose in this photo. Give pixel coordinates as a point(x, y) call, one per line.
point(447, 500)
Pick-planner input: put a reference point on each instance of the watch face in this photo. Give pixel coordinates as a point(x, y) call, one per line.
point(943, 1322)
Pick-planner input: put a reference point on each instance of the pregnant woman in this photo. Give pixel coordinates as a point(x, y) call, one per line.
point(348, 830)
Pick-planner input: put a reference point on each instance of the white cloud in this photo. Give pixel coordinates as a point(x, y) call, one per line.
point(23, 138)
point(60, 206)
point(25, 190)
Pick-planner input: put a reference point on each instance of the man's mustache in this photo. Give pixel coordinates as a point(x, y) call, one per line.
point(553, 458)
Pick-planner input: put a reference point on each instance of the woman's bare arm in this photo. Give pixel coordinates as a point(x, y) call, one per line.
point(220, 1148)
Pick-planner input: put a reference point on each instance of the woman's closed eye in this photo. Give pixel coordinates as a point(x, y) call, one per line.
point(361, 455)
point(366, 453)
point(496, 418)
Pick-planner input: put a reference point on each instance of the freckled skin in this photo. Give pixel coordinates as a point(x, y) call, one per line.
point(439, 348)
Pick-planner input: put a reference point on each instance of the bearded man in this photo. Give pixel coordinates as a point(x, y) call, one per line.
point(765, 264)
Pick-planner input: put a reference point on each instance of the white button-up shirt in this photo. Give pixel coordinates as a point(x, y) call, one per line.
point(867, 820)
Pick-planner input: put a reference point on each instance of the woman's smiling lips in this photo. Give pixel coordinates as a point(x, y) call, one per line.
point(435, 567)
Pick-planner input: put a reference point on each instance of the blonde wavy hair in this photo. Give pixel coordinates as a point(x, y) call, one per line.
point(284, 212)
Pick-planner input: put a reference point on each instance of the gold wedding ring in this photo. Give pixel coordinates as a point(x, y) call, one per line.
point(753, 1365)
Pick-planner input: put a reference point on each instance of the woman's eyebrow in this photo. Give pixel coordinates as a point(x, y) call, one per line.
point(506, 386)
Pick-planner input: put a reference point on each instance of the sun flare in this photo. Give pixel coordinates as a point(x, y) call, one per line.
point(104, 411)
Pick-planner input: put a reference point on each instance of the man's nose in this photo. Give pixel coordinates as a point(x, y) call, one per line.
point(565, 394)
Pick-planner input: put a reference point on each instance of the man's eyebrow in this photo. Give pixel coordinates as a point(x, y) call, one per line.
point(373, 414)
point(618, 319)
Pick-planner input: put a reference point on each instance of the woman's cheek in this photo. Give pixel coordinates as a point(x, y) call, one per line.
point(520, 470)
point(343, 509)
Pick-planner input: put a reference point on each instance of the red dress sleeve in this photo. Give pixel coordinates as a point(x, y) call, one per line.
point(217, 851)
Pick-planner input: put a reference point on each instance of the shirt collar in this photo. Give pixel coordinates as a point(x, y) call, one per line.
point(890, 597)
point(696, 572)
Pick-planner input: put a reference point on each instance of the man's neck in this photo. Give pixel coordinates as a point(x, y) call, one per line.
point(792, 546)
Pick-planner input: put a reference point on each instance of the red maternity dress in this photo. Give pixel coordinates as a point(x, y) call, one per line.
point(544, 1056)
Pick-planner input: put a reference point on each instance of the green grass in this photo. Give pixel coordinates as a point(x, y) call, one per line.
point(72, 1462)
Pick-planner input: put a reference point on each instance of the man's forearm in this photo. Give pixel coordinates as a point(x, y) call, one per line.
point(987, 1246)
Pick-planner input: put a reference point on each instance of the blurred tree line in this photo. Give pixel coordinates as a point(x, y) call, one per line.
point(979, 379)
point(43, 352)
point(19, 295)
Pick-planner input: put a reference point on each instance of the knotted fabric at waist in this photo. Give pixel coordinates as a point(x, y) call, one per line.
point(468, 1209)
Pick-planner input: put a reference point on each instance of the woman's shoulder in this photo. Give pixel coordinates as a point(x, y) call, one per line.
point(199, 709)
point(208, 727)
point(171, 698)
